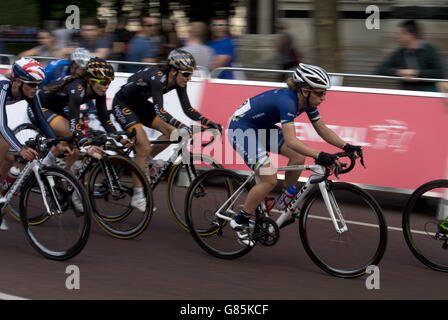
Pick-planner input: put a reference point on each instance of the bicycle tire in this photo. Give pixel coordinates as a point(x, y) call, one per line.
point(126, 224)
point(173, 193)
point(421, 224)
point(367, 234)
point(201, 221)
point(23, 132)
point(70, 229)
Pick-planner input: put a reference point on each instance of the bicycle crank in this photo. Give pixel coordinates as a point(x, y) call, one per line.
point(266, 232)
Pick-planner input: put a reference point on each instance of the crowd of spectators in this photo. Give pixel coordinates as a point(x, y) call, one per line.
point(154, 38)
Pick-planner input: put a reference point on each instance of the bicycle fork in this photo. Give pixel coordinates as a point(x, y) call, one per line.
point(51, 184)
point(332, 207)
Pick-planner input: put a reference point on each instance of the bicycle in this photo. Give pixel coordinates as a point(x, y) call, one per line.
point(178, 173)
point(425, 224)
point(327, 227)
point(109, 184)
point(52, 226)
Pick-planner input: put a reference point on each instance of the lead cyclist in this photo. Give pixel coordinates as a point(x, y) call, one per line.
point(307, 89)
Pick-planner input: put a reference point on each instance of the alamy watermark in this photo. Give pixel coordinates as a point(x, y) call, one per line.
point(373, 20)
point(73, 281)
point(73, 20)
point(373, 280)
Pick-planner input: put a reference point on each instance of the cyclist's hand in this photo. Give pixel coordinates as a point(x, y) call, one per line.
point(28, 153)
point(184, 132)
point(64, 149)
point(95, 151)
point(126, 142)
point(355, 150)
point(214, 125)
point(327, 160)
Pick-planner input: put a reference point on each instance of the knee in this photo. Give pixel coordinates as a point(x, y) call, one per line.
point(297, 160)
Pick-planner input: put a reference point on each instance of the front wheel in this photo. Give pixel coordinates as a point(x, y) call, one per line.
point(180, 178)
point(425, 224)
point(64, 229)
point(346, 254)
point(110, 188)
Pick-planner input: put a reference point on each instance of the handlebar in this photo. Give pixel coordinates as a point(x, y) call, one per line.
point(197, 129)
point(343, 168)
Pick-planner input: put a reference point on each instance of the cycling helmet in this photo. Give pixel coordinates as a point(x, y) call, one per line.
point(81, 56)
point(315, 77)
point(100, 69)
point(181, 60)
point(28, 70)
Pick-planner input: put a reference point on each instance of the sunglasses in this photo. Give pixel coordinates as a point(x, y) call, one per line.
point(320, 94)
point(32, 84)
point(102, 82)
point(152, 25)
point(186, 74)
point(220, 24)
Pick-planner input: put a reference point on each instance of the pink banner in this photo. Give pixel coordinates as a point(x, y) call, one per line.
point(404, 137)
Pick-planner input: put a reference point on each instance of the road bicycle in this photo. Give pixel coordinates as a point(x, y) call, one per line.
point(181, 168)
point(109, 184)
point(341, 226)
point(52, 225)
point(425, 224)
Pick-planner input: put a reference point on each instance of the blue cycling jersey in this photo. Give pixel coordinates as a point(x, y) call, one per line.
point(271, 107)
point(56, 69)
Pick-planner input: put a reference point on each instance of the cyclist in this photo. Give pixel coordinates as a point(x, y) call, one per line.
point(61, 68)
point(306, 91)
point(72, 91)
point(132, 109)
point(21, 84)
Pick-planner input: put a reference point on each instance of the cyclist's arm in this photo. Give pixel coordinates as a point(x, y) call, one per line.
point(42, 123)
point(327, 134)
point(74, 109)
point(5, 131)
point(157, 96)
point(189, 111)
point(103, 115)
point(292, 142)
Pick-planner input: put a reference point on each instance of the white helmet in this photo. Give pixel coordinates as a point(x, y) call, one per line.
point(81, 56)
point(314, 76)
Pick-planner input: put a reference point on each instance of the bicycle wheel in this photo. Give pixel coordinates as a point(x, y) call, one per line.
point(65, 232)
point(425, 213)
point(111, 197)
point(349, 253)
point(207, 193)
point(180, 178)
point(23, 133)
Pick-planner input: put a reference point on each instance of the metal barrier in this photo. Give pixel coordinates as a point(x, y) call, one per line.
point(216, 72)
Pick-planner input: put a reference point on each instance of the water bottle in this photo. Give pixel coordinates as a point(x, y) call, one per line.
point(10, 178)
point(286, 197)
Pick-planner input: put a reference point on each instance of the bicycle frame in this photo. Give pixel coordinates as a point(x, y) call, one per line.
point(32, 166)
point(330, 201)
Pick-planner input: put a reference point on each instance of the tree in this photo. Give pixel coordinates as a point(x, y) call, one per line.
point(326, 35)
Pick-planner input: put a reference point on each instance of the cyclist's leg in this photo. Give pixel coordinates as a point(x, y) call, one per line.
point(166, 130)
point(295, 158)
point(61, 127)
point(6, 160)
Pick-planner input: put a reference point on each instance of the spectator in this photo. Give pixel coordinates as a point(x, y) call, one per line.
point(92, 40)
point(141, 49)
point(170, 38)
point(156, 37)
point(202, 53)
point(414, 59)
point(46, 48)
point(223, 45)
point(120, 39)
point(288, 56)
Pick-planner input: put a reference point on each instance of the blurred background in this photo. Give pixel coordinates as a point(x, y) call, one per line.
point(348, 37)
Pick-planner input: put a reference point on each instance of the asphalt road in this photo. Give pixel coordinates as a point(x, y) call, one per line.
point(164, 263)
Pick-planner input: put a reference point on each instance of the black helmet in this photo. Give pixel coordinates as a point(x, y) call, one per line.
point(181, 60)
point(100, 69)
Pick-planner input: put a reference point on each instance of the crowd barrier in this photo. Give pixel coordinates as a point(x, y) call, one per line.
point(403, 133)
